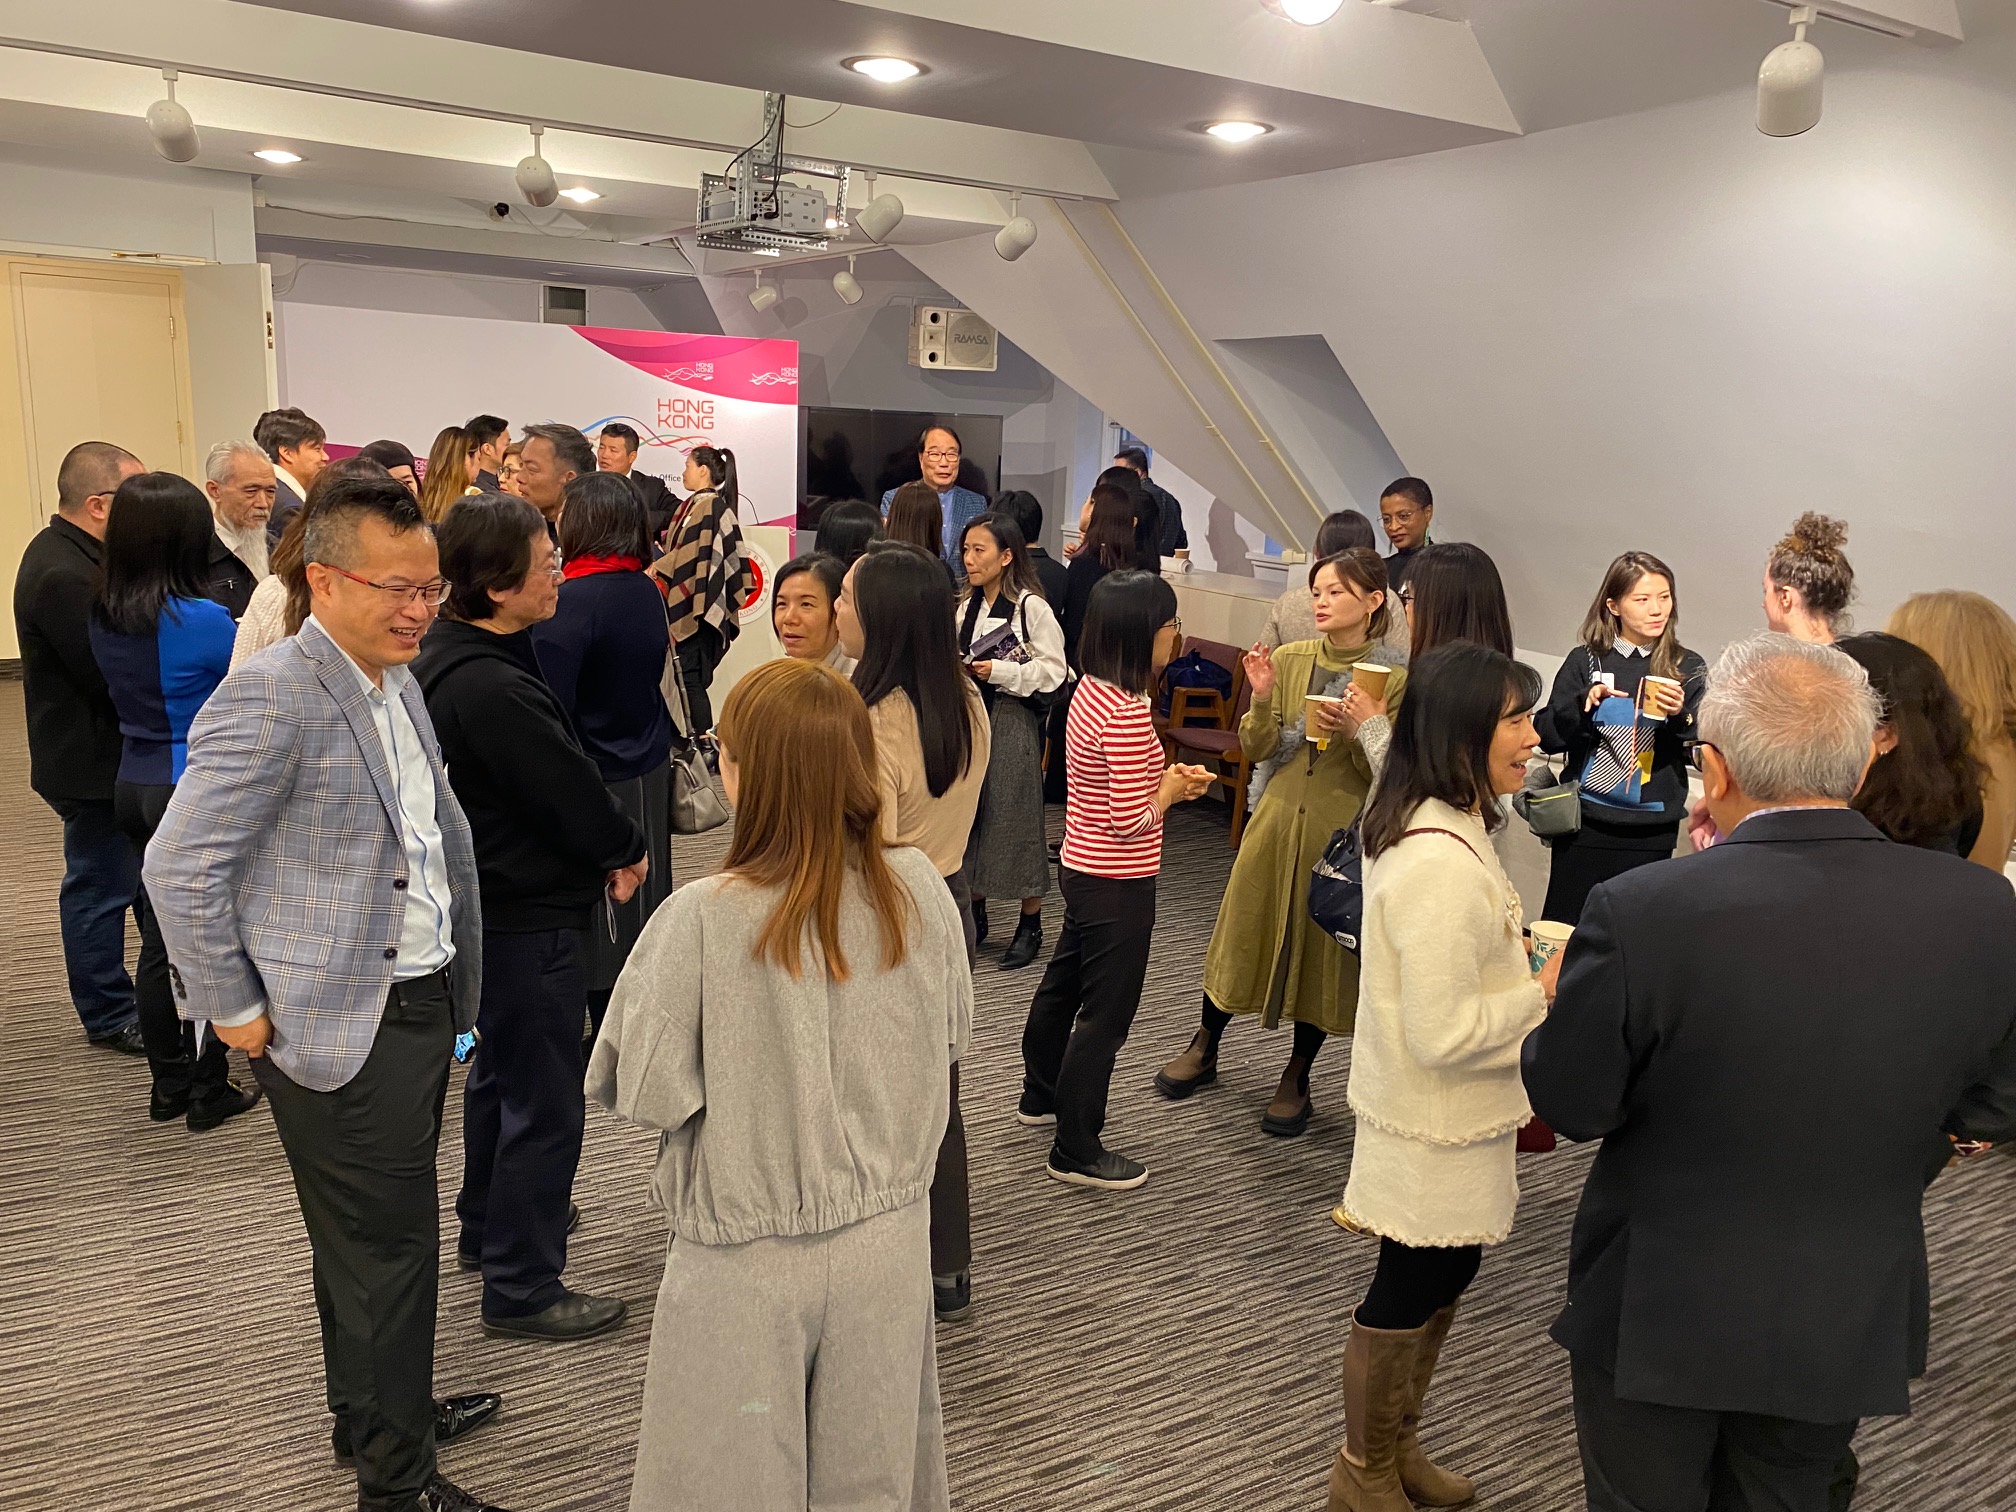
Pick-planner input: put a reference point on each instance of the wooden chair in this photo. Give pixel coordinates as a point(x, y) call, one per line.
point(1202, 706)
point(1220, 747)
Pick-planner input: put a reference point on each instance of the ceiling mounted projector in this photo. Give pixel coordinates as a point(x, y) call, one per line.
point(171, 125)
point(762, 296)
point(882, 214)
point(1018, 236)
point(846, 285)
point(1790, 82)
point(1305, 12)
point(535, 176)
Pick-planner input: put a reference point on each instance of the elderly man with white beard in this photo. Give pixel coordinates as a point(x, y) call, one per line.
point(242, 488)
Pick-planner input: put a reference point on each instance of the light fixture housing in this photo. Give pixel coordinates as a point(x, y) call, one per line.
point(762, 296)
point(1305, 12)
point(1237, 132)
point(846, 285)
point(278, 155)
point(1791, 82)
point(580, 196)
point(884, 69)
point(1018, 236)
point(882, 214)
point(171, 125)
point(535, 176)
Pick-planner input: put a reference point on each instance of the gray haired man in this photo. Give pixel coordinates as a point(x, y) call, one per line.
point(242, 489)
point(1774, 1039)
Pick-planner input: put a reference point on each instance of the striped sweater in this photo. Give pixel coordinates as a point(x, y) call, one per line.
point(1113, 762)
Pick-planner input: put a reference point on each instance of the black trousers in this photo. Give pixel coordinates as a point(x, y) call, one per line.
point(1643, 1457)
point(699, 654)
point(1412, 1283)
point(523, 1113)
point(951, 1205)
point(363, 1163)
point(1579, 863)
point(1086, 1004)
point(179, 1070)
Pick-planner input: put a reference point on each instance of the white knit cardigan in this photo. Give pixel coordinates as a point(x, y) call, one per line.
point(1445, 992)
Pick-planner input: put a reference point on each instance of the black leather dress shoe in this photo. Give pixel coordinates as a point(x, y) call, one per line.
point(454, 1417)
point(126, 1041)
point(445, 1496)
point(229, 1101)
point(575, 1316)
point(471, 1262)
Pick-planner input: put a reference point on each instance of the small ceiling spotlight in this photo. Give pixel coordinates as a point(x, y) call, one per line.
point(1790, 82)
point(884, 70)
point(171, 125)
point(882, 214)
point(579, 196)
point(762, 296)
point(846, 285)
point(1236, 132)
point(278, 155)
point(535, 176)
point(1018, 236)
point(1305, 12)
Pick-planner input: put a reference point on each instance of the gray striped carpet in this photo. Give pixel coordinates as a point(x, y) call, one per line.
point(1174, 1348)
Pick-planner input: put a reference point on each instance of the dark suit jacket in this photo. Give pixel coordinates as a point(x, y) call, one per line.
point(73, 730)
point(231, 581)
point(657, 498)
point(1054, 576)
point(1769, 1038)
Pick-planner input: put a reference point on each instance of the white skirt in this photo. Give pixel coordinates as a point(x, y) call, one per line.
point(1432, 1195)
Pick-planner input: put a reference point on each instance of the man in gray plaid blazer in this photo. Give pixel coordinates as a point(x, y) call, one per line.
point(316, 887)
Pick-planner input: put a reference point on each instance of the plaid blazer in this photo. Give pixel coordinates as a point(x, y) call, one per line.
point(277, 872)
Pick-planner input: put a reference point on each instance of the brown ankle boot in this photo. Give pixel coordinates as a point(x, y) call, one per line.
point(1288, 1115)
point(1426, 1482)
point(1196, 1067)
point(1378, 1383)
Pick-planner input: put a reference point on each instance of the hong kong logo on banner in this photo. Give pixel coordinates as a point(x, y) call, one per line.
point(761, 570)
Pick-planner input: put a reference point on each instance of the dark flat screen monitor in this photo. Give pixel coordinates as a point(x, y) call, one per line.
point(862, 454)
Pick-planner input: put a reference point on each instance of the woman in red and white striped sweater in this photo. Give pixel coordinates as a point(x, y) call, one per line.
point(1119, 792)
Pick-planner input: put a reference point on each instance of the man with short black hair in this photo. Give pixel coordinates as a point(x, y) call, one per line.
point(73, 738)
point(616, 452)
point(939, 452)
point(489, 439)
point(1026, 511)
point(316, 887)
point(242, 489)
point(1174, 537)
point(553, 456)
point(293, 443)
point(1406, 510)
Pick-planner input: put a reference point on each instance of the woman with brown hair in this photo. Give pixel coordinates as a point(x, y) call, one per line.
point(1622, 710)
point(452, 465)
point(1974, 642)
point(824, 971)
point(1808, 583)
point(917, 518)
point(280, 602)
point(1267, 956)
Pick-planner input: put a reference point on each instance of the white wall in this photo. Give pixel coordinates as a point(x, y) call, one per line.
point(416, 291)
point(52, 203)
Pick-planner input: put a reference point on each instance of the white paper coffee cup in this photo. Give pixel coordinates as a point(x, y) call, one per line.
point(1309, 730)
point(1549, 939)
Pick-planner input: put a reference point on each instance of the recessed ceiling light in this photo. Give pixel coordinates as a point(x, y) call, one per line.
point(885, 70)
point(1305, 12)
point(579, 196)
point(1236, 131)
point(277, 155)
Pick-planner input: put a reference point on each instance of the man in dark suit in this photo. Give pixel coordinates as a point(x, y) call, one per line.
point(73, 738)
point(489, 438)
point(1773, 1038)
point(1026, 511)
point(616, 452)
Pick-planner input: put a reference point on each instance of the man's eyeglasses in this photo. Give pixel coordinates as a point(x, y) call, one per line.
point(431, 594)
point(941, 456)
point(1694, 748)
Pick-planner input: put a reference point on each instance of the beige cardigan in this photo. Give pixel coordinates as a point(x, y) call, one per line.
point(1445, 994)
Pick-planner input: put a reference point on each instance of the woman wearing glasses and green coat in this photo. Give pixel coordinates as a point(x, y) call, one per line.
point(1311, 776)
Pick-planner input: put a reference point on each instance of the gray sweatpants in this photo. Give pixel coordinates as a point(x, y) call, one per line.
point(796, 1373)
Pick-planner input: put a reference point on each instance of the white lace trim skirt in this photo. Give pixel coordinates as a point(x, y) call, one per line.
point(1431, 1195)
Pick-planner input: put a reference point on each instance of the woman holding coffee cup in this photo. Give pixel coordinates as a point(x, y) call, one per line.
point(1622, 711)
point(1267, 956)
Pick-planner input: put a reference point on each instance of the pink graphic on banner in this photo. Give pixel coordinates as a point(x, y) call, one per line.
point(730, 367)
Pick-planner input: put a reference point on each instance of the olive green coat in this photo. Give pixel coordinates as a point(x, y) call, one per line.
point(1267, 956)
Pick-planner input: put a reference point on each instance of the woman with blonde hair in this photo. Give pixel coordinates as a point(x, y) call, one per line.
point(824, 971)
point(1974, 641)
point(452, 466)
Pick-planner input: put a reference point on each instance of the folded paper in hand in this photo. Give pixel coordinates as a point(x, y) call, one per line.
point(1001, 644)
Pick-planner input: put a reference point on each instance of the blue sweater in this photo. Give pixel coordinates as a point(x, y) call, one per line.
point(159, 680)
point(602, 654)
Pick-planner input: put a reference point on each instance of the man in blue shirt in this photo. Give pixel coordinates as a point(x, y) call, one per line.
point(938, 452)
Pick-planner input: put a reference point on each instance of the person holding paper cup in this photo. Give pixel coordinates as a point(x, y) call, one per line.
point(1622, 711)
point(1267, 956)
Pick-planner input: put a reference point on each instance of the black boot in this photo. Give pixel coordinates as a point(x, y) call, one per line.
point(979, 921)
point(1027, 943)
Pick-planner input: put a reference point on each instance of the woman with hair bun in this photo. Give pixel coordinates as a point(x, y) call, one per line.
point(1808, 583)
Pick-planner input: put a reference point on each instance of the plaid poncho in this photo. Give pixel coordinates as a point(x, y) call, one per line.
point(704, 568)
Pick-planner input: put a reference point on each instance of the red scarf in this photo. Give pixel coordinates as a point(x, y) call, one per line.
point(589, 566)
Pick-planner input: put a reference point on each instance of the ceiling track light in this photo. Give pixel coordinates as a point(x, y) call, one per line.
point(1018, 236)
point(171, 125)
point(1790, 84)
point(1305, 12)
point(846, 285)
point(882, 214)
point(762, 296)
point(535, 176)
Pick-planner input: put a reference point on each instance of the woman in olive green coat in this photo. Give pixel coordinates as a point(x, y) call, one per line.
point(1267, 956)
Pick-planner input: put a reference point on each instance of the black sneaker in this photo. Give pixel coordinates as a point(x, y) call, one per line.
point(1030, 1116)
point(952, 1297)
point(1111, 1172)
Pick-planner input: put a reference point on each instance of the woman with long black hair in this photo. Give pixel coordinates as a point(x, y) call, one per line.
point(163, 648)
point(1924, 787)
point(932, 740)
point(704, 571)
point(1008, 856)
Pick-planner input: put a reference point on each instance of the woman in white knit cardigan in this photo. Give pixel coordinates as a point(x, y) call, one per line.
point(1445, 999)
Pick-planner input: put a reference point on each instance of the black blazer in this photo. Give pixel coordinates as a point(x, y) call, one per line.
point(657, 500)
point(1769, 1037)
point(231, 581)
point(73, 730)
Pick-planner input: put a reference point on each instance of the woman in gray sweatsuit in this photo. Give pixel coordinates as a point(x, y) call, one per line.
point(792, 1359)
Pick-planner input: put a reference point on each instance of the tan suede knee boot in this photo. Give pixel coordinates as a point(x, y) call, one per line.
point(1378, 1384)
point(1425, 1481)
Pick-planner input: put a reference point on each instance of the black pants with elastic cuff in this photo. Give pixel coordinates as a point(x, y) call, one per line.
point(1086, 1004)
point(1645, 1457)
point(363, 1162)
point(179, 1069)
point(1412, 1283)
point(951, 1207)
